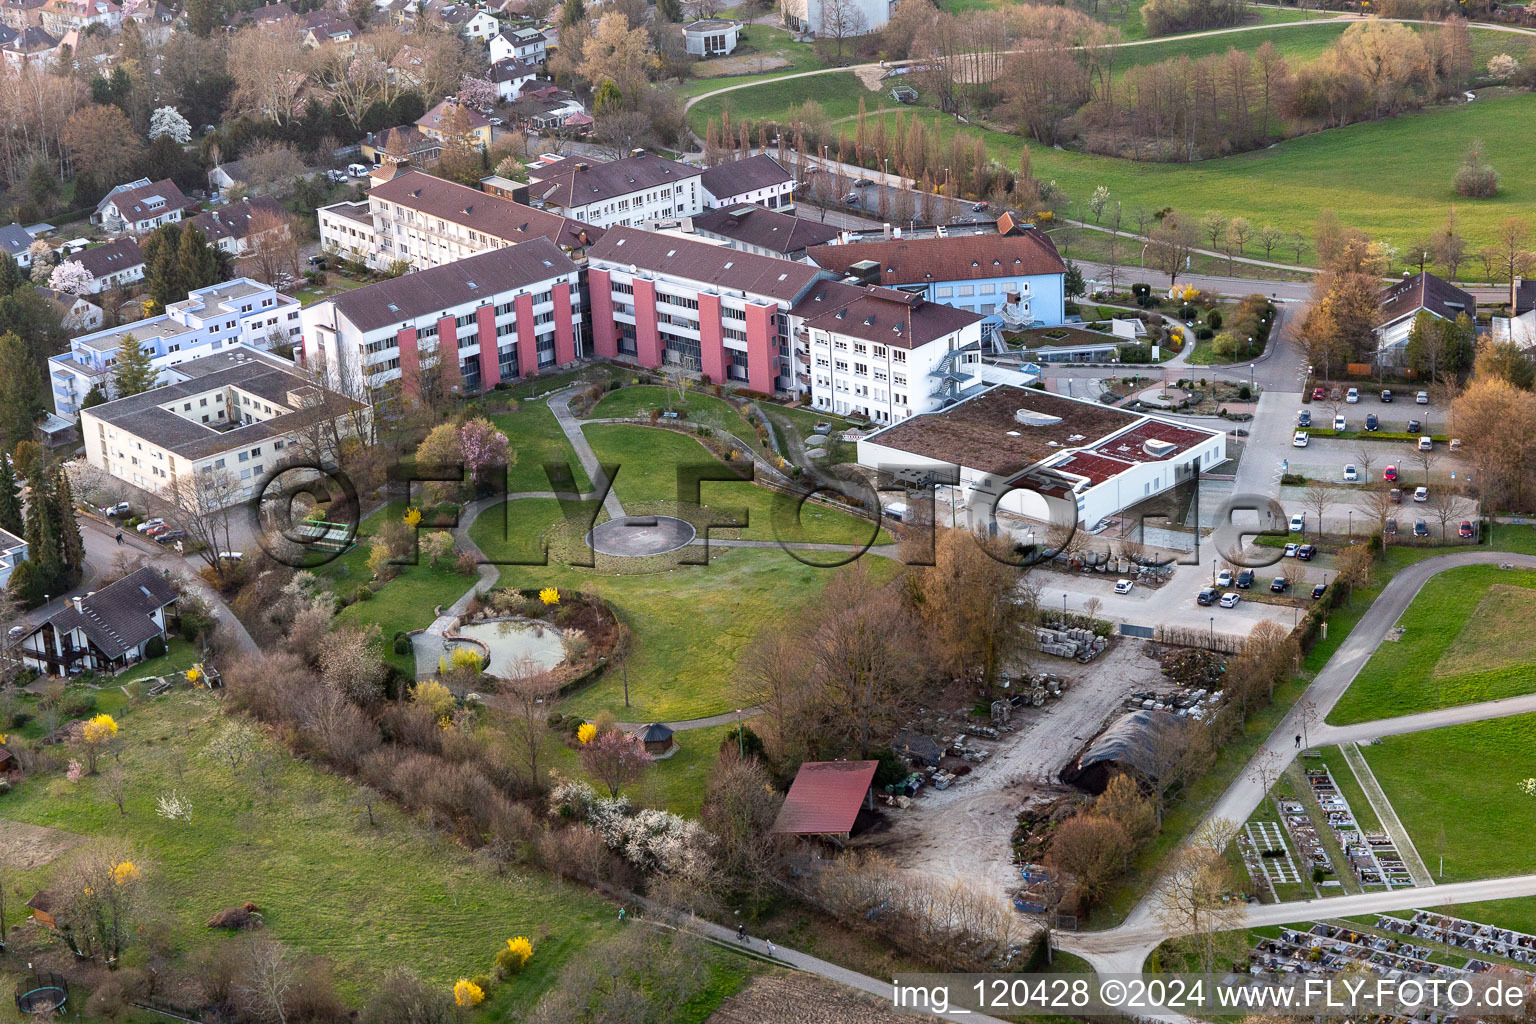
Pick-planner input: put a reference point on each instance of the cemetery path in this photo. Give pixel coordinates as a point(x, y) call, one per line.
point(1364, 732)
point(1125, 947)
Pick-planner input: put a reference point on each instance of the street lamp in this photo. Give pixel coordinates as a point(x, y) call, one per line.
point(1063, 608)
point(1250, 370)
point(1351, 524)
point(741, 742)
point(1213, 632)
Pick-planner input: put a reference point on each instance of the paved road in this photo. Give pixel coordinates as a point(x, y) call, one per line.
point(560, 404)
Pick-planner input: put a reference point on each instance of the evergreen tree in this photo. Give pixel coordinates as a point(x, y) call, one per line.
point(10, 500)
point(42, 537)
point(94, 397)
point(10, 274)
point(203, 17)
point(71, 544)
point(572, 12)
point(134, 372)
point(27, 585)
point(162, 266)
point(199, 267)
point(21, 391)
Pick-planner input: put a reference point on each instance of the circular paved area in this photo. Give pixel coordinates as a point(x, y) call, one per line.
point(639, 536)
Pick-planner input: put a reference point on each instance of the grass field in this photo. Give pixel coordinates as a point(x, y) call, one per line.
point(328, 883)
point(1466, 781)
point(1459, 647)
point(676, 784)
point(696, 406)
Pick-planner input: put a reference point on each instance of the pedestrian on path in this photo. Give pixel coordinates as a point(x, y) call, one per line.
point(1298, 741)
point(621, 915)
point(119, 536)
point(771, 950)
point(741, 934)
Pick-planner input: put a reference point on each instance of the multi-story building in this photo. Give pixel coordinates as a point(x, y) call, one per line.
point(756, 229)
point(758, 179)
point(61, 16)
point(511, 312)
point(450, 118)
point(141, 206)
point(710, 37)
point(239, 413)
point(116, 264)
point(347, 229)
point(228, 228)
point(242, 313)
point(882, 353)
point(429, 222)
point(662, 300)
point(1017, 277)
point(625, 192)
point(527, 45)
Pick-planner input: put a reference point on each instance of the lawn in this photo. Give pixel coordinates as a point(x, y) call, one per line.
point(368, 897)
point(1098, 247)
point(1463, 642)
point(676, 784)
point(838, 93)
point(535, 437)
point(1464, 782)
point(696, 407)
point(768, 41)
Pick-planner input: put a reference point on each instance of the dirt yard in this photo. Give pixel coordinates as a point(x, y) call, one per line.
point(963, 832)
point(24, 846)
point(751, 64)
point(785, 998)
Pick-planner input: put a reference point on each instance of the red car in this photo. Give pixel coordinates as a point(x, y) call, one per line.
point(1318, 395)
point(1389, 474)
point(1466, 528)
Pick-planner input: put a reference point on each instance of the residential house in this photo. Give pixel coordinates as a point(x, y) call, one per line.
point(1040, 455)
point(141, 206)
point(322, 27)
point(825, 17)
point(229, 227)
point(428, 222)
point(14, 242)
point(104, 631)
point(882, 353)
point(29, 46)
point(508, 313)
point(524, 45)
point(711, 37)
point(17, 15)
point(1401, 304)
point(512, 77)
point(438, 124)
point(661, 300)
point(13, 551)
point(548, 108)
point(76, 312)
point(758, 179)
point(114, 264)
point(752, 228)
point(61, 16)
point(1519, 327)
point(405, 145)
point(630, 191)
point(155, 20)
point(241, 413)
point(236, 314)
point(267, 15)
point(1018, 277)
point(463, 18)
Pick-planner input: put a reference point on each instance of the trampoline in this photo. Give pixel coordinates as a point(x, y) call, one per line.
point(44, 992)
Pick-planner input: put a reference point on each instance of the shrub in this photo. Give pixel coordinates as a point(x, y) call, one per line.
point(403, 643)
point(1476, 178)
point(363, 593)
point(155, 648)
point(514, 956)
point(1214, 319)
point(1244, 394)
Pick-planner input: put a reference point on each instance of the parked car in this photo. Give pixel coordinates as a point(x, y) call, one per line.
point(1390, 527)
point(1278, 584)
point(979, 207)
point(1389, 474)
point(1420, 528)
point(1421, 494)
point(16, 631)
point(1245, 579)
point(1352, 397)
point(1386, 395)
point(1205, 597)
point(862, 182)
point(336, 177)
point(1414, 426)
point(1426, 443)
point(1371, 422)
point(1123, 586)
point(1230, 599)
point(1465, 529)
point(1318, 394)
point(169, 535)
point(318, 261)
point(1318, 590)
point(149, 524)
point(1290, 550)
point(1339, 423)
point(1422, 398)
point(851, 199)
point(1298, 522)
point(498, 122)
point(1455, 444)
point(1306, 552)
point(155, 531)
point(1299, 439)
point(1351, 474)
point(357, 170)
point(230, 556)
point(1224, 578)
point(122, 508)
point(1304, 418)
point(1396, 494)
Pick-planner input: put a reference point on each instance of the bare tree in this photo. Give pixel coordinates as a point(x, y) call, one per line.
point(272, 245)
point(1364, 458)
point(1378, 505)
point(840, 20)
point(1193, 898)
point(1264, 771)
point(1306, 716)
point(528, 690)
point(1426, 458)
point(269, 979)
point(1444, 506)
point(1318, 498)
point(202, 504)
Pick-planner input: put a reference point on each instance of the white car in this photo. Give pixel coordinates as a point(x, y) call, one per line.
point(1422, 398)
point(1299, 439)
point(1426, 444)
point(150, 524)
point(1339, 423)
point(1290, 550)
point(1421, 494)
point(1351, 474)
point(1298, 523)
point(1353, 397)
point(1123, 587)
point(1230, 599)
point(1224, 578)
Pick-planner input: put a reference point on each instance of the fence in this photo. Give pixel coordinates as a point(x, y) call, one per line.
point(1206, 639)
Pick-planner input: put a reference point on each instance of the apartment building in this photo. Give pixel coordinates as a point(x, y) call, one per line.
point(242, 413)
point(511, 312)
point(241, 313)
point(758, 179)
point(662, 300)
point(429, 222)
point(623, 192)
point(882, 353)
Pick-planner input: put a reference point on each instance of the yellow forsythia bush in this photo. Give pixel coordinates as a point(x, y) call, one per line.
point(467, 993)
point(514, 956)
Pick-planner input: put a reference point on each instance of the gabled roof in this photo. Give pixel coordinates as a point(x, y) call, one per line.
point(648, 251)
point(116, 618)
point(764, 228)
point(14, 239)
point(32, 40)
point(1427, 292)
point(825, 798)
point(511, 69)
point(433, 118)
point(575, 182)
point(110, 258)
point(488, 214)
point(963, 258)
point(234, 220)
point(439, 288)
point(884, 316)
point(738, 176)
point(134, 203)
